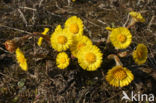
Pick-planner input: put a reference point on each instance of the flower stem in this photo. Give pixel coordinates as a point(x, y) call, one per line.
point(116, 58)
point(132, 23)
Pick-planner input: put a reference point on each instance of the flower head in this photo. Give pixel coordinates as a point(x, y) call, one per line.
point(21, 59)
point(74, 25)
point(62, 60)
point(90, 58)
point(137, 16)
point(78, 43)
point(119, 76)
point(60, 40)
point(121, 37)
point(44, 33)
point(140, 54)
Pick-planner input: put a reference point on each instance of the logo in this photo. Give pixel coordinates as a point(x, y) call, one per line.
point(137, 97)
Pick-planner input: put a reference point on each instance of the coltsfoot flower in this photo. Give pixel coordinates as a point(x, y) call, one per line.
point(90, 58)
point(41, 38)
point(21, 59)
point(60, 40)
point(74, 25)
point(140, 54)
point(119, 76)
point(137, 16)
point(78, 43)
point(120, 37)
point(62, 60)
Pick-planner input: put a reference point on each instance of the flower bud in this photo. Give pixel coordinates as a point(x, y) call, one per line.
point(10, 45)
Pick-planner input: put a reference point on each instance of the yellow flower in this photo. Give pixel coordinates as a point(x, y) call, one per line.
point(120, 37)
point(62, 60)
point(119, 76)
point(137, 16)
point(90, 58)
point(60, 40)
point(21, 59)
point(73, 0)
point(78, 43)
point(44, 33)
point(74, 25)
point(140, 54)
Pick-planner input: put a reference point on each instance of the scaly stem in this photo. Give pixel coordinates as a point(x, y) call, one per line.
point(116, 58)
point(132, 23)
point(123, 54)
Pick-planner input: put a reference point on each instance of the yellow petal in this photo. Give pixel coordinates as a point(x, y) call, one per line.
point(41, 39)
point(22, 61)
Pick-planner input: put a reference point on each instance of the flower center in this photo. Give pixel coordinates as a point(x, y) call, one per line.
point(21, 60)
point(139, 53)
point(90, 57)
point(80, 45)
point(122, 38)
point(74, 28)
point(62, 60)
point(62, 39)
point(120, 74)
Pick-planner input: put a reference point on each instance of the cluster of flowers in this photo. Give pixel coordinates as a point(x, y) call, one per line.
point(71, 37)
point(90, 56)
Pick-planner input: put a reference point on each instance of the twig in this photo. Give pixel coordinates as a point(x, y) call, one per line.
point(138, 3)
point(23, 17)
point(8, 77)
point(3, 50)
point(101, 22)
point(33, 16)
point(40, 26)
point(69, 2)
point(124, 25)
point(40, 3)
point(112, 97)
point(28, 8)
point(150, 23)
point(53, 14)
point(57, 5)
point(87, 19)
point(23, 31)
point(31, 75)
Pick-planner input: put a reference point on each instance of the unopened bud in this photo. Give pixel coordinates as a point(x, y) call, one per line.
point(10, 45)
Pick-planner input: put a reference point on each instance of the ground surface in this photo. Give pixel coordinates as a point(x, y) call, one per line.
point(72, 85)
